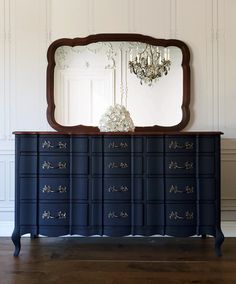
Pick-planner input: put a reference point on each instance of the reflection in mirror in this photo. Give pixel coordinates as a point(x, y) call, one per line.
point(88, 79)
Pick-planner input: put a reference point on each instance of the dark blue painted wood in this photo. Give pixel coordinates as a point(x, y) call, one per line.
point(154, 144)
point(181, 231)
point(155, 189)
point(28, 165)
point(55, 144)
point(54, 209)
point(117, 214)
point(53, 188)
point(155, 214)
point(80, 165)
point(181, 189)
point(117, 165)
point(80, 145)
point(27, 143)
point(96, 184)
point(138, 215)
point(154, 165)
point(206, 165)
point(138, 189)
point(181, 214)
point(96, 215)
point(80, 214)
point(97, 144)
point(207, 144)
point(207, 188)
point(28, 213)
point(182, 144)
point(28, 188)
point(118, 185)
point(96, 164)
point(80, 188)
point(117, 188)
point(54, 164)
point(117, 144)
point(178, 164)
point(137, 145)
point(207, 214)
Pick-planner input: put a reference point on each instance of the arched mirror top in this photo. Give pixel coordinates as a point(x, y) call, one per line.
point(87, 75)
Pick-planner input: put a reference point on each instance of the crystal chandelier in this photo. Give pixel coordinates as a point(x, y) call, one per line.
point(149, 64)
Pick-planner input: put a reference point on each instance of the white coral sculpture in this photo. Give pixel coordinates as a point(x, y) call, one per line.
point(116, 119)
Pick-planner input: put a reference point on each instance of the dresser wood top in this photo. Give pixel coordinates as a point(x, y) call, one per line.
point(181, 133)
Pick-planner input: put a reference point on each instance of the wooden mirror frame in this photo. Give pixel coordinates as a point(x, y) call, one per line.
point(117, 37)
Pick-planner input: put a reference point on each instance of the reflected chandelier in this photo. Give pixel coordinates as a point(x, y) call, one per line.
point(150, 64)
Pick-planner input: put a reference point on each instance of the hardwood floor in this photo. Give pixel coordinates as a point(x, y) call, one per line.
point(116, 261)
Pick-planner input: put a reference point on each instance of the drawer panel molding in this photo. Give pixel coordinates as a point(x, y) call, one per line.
point(118, 184)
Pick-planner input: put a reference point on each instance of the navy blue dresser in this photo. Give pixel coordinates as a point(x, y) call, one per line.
point(118, 185)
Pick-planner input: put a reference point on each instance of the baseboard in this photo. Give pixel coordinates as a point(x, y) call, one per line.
point(228, 228)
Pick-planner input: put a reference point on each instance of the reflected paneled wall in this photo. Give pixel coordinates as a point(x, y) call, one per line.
point(27, 27)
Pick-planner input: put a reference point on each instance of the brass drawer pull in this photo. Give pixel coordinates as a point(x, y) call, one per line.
point(121, 214)
point(121, 145)
point(174, 165)
point(188, 189)
point(120, 165)
point(48, 165)
point(48, 145)
point(175, 215)
point(47, 215)
point(175, 145)
point(48, 189)
point(113, 188)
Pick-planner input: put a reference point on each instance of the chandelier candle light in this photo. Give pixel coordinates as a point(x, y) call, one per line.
point(149, 64)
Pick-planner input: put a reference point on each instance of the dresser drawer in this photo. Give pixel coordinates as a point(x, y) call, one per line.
point(117, 214)
point(80, 144)
point(54, 144)
point(207, 214)
point(185, 144)
point(180, 164)
point(28, 164)
point(27, 143)
point(80, 164)
point(28, 213)
point(155, 214)
point(154, 188)
point(154, 145)
point(117, 165)
point(207, 164)
point(85, 214)
point(181, 189)
point(54, 164)
point(181, 214)
point(154, 164)
point(207, 188)
point(207, 144)
point(54, 214)
point(54, 188)
point(28, 188)
point(117, 144)
point(117, 188)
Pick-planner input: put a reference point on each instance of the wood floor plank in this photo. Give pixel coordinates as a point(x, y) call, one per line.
point(117, 261)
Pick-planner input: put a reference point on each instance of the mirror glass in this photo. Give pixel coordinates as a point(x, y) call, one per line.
point(90, 78)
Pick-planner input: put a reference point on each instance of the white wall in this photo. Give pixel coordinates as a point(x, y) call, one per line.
point(27, 27)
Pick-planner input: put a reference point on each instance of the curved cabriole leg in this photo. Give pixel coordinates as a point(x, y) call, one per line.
point(16, 241)
point(219, 238)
